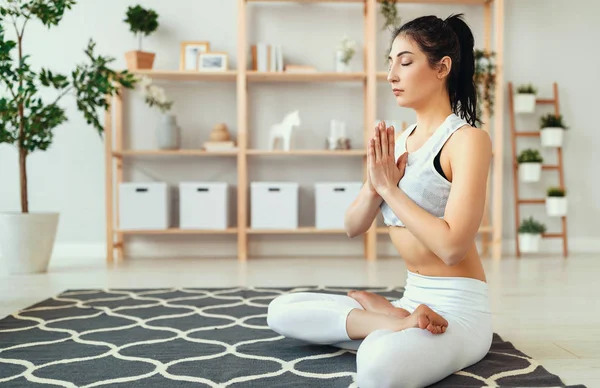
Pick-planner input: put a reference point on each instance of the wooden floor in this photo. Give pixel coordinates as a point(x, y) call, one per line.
point(543, 305)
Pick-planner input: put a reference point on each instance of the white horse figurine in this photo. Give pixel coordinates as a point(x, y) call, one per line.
point(283, 130)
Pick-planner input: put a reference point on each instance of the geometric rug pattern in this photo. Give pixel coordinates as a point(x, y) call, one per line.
point(193, 337)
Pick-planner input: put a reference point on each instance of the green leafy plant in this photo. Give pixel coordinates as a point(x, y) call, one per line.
point(526, 89)
point(551, 120)
point(348, 48)
point(26, 119)
point(390, 14)
point(530, 156)
point(556, 192)
point(531, 226)
point(485, 80)
point(142, 21)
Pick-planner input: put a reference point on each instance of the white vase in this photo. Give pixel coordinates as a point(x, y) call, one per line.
point(551, 136)
point(167, 133)
point(524, 102)
point(27, 241)
point(530, 172)
point(556, 206)
point(340, 66)
point(529, 242)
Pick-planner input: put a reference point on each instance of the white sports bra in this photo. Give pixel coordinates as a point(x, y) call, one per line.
point(421, 181)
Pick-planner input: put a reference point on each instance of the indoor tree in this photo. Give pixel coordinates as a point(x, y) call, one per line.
point(26, 119)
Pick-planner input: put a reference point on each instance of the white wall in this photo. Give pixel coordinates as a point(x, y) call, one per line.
point(542, 45)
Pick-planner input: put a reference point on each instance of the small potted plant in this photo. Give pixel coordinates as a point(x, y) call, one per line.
point(525, 99)
point(530, 234)
point(556, 202)
point(530, 165)
point(552, 129)
point(142, 22)
point(344, 54)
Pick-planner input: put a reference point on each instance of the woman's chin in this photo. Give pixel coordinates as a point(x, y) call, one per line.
point(402, 102)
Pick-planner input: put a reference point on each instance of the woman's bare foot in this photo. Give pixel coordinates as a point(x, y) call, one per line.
point(425, 318)
point(377, 304)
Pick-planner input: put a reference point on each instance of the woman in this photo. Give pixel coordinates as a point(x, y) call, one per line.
point(430, 185)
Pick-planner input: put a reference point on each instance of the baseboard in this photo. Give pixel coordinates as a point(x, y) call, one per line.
point(282, 248)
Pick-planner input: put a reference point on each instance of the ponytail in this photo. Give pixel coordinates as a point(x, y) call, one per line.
point(450, 37)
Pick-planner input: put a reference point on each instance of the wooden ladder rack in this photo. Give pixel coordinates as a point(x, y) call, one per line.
point(558, 167)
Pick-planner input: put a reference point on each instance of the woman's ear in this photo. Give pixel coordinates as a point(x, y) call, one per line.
point(445, 65)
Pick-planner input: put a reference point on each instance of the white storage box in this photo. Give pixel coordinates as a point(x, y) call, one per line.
point(144, 205)
point(274, 205)
point(332, 199)
point(203, 205)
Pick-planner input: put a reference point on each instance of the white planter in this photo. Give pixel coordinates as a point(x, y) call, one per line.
point(524, 103)
point(552, 136)
point(340, 66)
point(529, 242)
point(27, 241)
point(530, 172)
point(556, 206)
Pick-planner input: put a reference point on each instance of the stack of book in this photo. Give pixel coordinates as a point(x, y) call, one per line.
point(267, 57)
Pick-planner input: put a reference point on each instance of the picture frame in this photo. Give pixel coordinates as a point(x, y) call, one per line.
point(213, 61)
point(189, 54)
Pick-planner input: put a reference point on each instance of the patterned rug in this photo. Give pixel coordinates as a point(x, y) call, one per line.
point(197, 338)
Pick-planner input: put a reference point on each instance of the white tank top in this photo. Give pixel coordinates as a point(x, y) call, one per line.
point(421, 181)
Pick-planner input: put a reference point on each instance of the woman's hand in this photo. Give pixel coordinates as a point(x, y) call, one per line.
point(384, 173)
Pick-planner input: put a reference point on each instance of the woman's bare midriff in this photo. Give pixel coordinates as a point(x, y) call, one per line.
point(421, 260)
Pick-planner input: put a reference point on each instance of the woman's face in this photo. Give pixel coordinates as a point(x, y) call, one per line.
point(412, 79)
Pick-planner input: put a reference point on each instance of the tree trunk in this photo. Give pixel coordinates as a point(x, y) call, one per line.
point(140, 39)
point(22, 150)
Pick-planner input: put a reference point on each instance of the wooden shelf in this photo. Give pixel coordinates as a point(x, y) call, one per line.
point(553, 235)
point(532, 201)
point(188, 75)
point(174, 153)
point(527, 134)
point(178, 231)
point(307, 153)
point(305, 1)
point(472, 2)
point(545, 101)
point(301, 230)
point(256, 76)
point(467, 2)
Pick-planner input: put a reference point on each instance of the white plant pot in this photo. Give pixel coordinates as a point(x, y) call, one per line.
point(529, 242)
point(556, 206)
point(530, 172)
point(524, 103)
point(551, 136)
point(27, 241)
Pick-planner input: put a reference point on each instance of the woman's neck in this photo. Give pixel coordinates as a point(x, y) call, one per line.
point(431, 115)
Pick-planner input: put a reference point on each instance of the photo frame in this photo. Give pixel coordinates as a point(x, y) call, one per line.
point(213, 61)
point(189, 54)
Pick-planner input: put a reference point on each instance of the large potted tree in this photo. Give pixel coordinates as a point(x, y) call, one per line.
point(28, 120)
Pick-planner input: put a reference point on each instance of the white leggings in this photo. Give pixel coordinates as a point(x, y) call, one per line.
point(407, 358)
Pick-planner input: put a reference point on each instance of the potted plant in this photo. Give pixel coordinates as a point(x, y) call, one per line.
point(142, 22)
point(552, 129)
point(485, 80)
point(530, 234)
point(390, 14)
point(556, 202)
point(344, 54)
point(530, 165)
point(167, 132)
point(525, 99)
point(28, 119)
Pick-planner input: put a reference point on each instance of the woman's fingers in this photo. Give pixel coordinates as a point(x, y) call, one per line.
point(391, 141)
point(383, 135)
point(377, 144)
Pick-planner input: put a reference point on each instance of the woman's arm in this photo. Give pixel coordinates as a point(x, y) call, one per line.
point(450, 238)
point(362, 212)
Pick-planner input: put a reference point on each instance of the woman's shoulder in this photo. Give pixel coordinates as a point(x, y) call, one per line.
point(468, 140)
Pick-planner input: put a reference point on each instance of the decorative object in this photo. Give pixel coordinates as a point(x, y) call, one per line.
point(390, 14)
point(219, 139)
point(525, 99)
point(167, 132)
point(146, 206)
point(142, 22)
point(530, 234)
point(556, 202)
point(274, 205)
point(283, 131)
point(344, 54)
point(213, 61)
point(337, 139)
point(190, 53)
point(530, 165)
point(485, 80)
point(552, 129)
point(28, 122)
point(203, 205)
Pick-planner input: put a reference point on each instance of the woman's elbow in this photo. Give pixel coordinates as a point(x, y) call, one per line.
point(454, 255)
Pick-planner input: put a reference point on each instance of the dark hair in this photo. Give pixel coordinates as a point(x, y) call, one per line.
point(451, 37)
